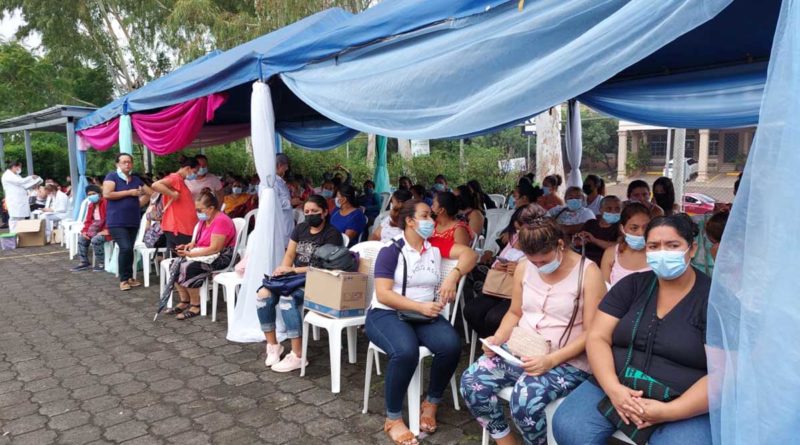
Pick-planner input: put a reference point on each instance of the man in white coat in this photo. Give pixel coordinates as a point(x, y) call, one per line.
point(16, 188)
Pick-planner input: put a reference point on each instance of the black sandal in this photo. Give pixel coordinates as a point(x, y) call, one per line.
point(187, 314)
point(178, 309)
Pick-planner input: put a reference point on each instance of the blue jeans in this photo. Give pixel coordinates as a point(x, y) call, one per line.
point(578, 422)
point(289, 306)
point(125, 237)
point(488, 376)
point(98, 245)
point(401, 341)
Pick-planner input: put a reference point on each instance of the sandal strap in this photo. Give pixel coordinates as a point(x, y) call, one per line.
point(404, 438)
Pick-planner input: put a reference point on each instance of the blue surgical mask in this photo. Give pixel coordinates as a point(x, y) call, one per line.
point(94, 199)
point(546, 190)
point(338, 203)
point(551, 266)
point(191, 176)
point(425, 228)
point(202, 171)
point(574, 204)
point(327, 194)
point(438, 187)
point(202, 216)
point(634, 242)
point(122, 174)
point(668, 264)
point(611, 218)
point(236, 190)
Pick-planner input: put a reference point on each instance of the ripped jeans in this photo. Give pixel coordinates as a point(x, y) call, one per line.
point(289, 305)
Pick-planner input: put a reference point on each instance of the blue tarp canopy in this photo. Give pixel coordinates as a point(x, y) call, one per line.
point(421, 69)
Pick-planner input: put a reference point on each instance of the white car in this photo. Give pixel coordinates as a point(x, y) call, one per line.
point(690, 169)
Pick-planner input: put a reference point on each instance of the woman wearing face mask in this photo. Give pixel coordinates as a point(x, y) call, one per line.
point(601, 233)
point(304, 240)
point(449, 230)
point(627, 256)
point(401, 339)
point(573, 215)
point(470, 209)
point(664, 196)
point(546, 299)
point(180, 217)
point(348, 218)
point(550, 198)
point(237, 202)
point(389, 227)
point(594, 189)
point(328, 191)
point(126, 195)
point(651, 326)
point(216, 235)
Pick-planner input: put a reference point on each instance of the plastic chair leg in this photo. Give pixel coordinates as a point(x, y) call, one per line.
point(335, 350)
point(377, 362)
point(464, 320)
point(214, 294)
point(351, 343)
point(485, 437)
point(454, 389)
point(473, 347)
point(367, 379)
point(230, 300)
point(204, 298)
point(414, 395)
point(304, 349)
point(315, 330)
point(146, 270)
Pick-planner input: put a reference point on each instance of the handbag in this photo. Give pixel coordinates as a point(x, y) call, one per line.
point(153, 232)
point(283, 284)
point(637, 379)
point(332, 257)
point(208, 259)
point(498, 283)
point(410, 316)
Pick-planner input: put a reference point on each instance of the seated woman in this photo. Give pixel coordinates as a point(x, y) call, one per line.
point(627, 256)
point(348, 218)
point(304, 240)
point(651, 323)
point(639, 191)
point(401, 339)
point(550, 199)
point(664, 196)
point(420, 194)
point(601, 233)
point(574, 214)
point(546, 300)
point(470, 209)
point(594, 188)
point(484, 198)
point(215, 235)
point(449, 230)
point(484, 313)
point(390, 225)
point(237, 202)
point(370, 202)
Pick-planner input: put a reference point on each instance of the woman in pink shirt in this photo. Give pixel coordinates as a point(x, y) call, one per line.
point(214, 241)
point(545, 300)
point(628, 256)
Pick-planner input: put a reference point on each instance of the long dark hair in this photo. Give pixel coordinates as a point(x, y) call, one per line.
point(665, 200)
point(449, 202)
point(348, 192)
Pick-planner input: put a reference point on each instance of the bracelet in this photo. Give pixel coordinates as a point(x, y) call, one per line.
point(460, 274)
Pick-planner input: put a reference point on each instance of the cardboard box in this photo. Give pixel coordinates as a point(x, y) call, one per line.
point(30, 233)
point(337, 294)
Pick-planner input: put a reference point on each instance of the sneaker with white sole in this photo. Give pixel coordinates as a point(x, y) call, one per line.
point(289, 363)
point(273, 354)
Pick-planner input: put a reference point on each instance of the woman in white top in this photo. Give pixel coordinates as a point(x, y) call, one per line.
point(594, 188)
point(555, 296)
point(389, 227)
point(410, 263)
point(572, 215)
point(628, 256)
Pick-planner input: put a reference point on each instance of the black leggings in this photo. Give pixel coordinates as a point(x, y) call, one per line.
point(125, 237)
point(484, 313)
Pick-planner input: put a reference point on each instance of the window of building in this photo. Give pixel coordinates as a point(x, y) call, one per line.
point(658, 144)
point(691, 144)
point(713, 144)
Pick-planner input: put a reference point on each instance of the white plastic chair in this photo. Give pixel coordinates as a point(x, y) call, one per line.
point(345, 240)
point(248, 218)
point(146, 254)
point(497, 220)
point(72, 229)
point(298, 214)
point(377, 223)
point(367, 250)
point(549, 411)
point(499, 200)
point(240, 229)
point(415, 387)
point(386, 196)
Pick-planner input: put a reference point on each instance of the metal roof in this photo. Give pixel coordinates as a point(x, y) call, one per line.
point(54, 118)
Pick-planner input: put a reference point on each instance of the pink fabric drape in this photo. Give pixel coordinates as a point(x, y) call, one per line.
point(167, 131)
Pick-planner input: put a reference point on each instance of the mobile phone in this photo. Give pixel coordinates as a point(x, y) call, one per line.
point(502, 260)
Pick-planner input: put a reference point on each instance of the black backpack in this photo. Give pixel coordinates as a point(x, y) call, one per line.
point(332, 257)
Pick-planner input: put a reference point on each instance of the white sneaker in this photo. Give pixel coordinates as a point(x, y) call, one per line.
point(289, 363)
point(273, 354)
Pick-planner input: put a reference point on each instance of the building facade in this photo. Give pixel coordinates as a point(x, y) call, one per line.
point(716, 151)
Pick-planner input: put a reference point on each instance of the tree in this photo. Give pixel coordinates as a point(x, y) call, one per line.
point(599, 138)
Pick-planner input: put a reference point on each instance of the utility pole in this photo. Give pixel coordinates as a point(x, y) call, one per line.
point(549, 160)
point(461, 158)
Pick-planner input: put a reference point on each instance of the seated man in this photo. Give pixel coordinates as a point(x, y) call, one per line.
point(56, 208)
point(94, 231)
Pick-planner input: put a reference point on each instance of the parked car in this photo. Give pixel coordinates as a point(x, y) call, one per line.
point(690, 169)
point(698, 203)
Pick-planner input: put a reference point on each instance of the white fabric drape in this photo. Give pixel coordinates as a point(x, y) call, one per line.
point(266, 242)
point(574, 139)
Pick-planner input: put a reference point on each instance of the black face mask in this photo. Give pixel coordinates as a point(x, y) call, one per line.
point(314, 220)
point(587, 189)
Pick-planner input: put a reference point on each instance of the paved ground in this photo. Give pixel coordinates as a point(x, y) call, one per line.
point(81, 362)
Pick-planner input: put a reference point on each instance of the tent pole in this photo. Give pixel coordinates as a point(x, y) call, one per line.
point(28, 152)
point(679, 173)
point(72, 146)
point(528, 157)
point(668, 155)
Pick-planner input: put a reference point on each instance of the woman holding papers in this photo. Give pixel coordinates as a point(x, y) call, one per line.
point(554, 299)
